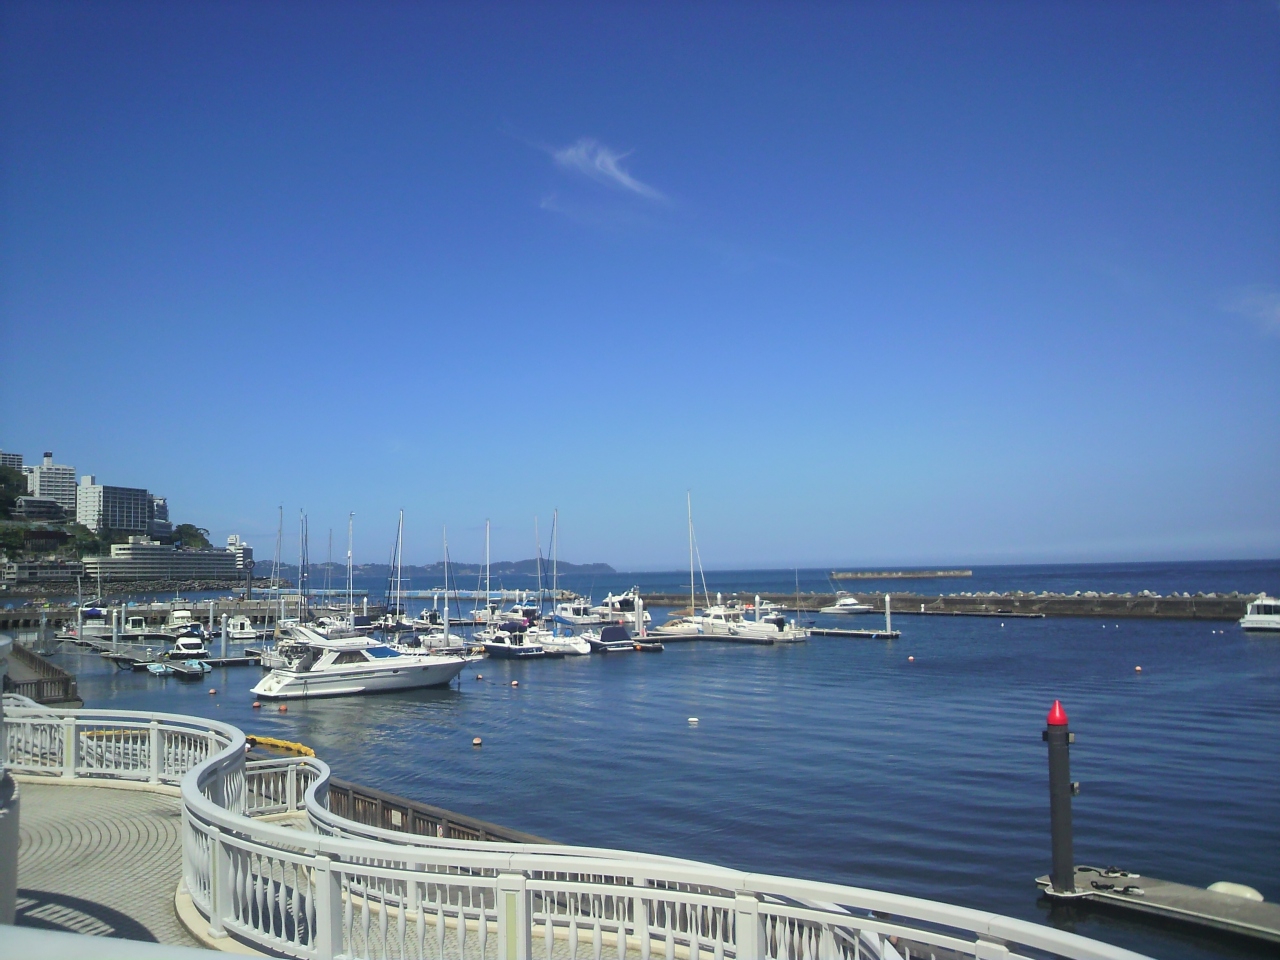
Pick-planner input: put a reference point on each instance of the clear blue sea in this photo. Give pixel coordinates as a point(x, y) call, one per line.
point(842, 760)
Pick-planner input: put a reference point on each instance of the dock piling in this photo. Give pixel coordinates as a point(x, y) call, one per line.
point(1061, 788)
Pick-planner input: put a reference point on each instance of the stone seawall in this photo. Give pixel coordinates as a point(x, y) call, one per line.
point(1111, 605)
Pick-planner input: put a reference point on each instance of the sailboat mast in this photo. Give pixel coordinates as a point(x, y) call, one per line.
point(693, 600)
point(399, 562)
point(537, 539)
point(555, 559)
point(350, 525)
point(445, 537)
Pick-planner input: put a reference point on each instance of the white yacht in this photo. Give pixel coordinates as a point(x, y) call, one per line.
point(187, 648)
point(241, 628)
point(576, 613)
point(847, 604)
point(334, 668)
point(621, 608)
point(1262, 614)
point(567, 646)
point(768, 625)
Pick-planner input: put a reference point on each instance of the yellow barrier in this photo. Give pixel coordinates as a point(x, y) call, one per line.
point(298, 749)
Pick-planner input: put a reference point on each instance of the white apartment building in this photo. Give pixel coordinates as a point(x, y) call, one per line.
point(101, 507)
point(13, 460)
point(53, 481)
point(145, 559)
point(243, 552)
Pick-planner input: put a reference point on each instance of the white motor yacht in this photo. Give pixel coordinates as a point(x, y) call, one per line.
point(241, 628)
point(772, 629)
point(621, 608)
point(847, 604)
point(1262, 614)
point(567, 645)
point(576, 613)
point(187, 648)
point(719, 620)
point(335, 668)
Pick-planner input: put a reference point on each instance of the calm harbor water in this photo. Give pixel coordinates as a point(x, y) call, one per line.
point(841, 760)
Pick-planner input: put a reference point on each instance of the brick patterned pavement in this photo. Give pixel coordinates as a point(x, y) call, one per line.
point(100, 860)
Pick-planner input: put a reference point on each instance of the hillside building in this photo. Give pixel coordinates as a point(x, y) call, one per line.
point(145, 559)
point(53, 481)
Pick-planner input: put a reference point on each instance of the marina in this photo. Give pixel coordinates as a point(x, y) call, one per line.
point(613, 713)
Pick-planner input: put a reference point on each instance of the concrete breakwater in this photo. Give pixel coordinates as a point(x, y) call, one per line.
point(1201, 606)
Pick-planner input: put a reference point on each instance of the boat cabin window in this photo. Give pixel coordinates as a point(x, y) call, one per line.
point(350, 656)
point(381, 652)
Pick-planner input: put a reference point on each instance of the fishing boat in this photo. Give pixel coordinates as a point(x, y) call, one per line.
point(354, 665)
point(847, 604)
point(1262, 614)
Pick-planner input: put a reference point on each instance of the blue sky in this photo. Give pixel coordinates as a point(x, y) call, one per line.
point(879, 283)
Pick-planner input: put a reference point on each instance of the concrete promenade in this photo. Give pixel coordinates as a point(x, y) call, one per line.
point(100, 860)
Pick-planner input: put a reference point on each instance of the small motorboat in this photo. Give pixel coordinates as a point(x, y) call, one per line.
point(189, 669)
point(648, 645)
point(160, 669)
point(511, 641)
point(612, 639)
point(567, 645)
point(847, 604)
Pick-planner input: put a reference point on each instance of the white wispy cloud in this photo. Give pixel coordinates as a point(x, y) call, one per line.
point(593, 159)
point(1259, 304)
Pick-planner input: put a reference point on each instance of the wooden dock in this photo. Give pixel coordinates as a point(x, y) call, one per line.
point(855, 634)
point(1174, 901)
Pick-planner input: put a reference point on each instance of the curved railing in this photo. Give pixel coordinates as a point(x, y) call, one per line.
point(315, 885)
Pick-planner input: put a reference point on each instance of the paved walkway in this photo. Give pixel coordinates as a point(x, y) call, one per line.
point(101, 861)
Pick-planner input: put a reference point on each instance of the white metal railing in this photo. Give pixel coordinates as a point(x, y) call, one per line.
point(347, 890)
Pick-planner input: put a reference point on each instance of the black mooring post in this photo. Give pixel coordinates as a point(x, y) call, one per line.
point(1063, 878)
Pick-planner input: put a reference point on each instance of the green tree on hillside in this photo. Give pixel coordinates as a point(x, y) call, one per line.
point(12, 486)
point(193, 537)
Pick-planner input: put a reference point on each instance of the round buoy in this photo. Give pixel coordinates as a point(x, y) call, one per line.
point(284, 708)
point(1137, 669)
point(212, 691)
point(257, 705)
point(693, 720)
point(911, 659)
point(476, 742)
point(515, 683)
point(479, 676)
point(1002, 624)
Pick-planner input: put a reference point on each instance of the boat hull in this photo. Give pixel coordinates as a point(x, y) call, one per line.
point(505, 651)
point(287, 685)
